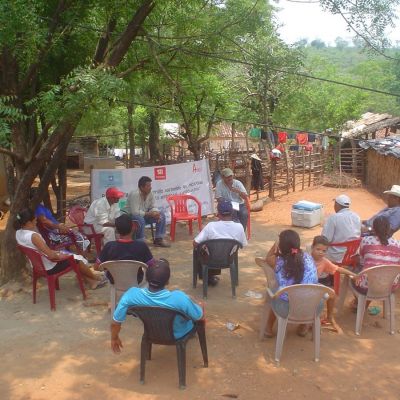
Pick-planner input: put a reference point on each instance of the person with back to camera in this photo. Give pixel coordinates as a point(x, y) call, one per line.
point(325, 270)
point(156, 295)
point(378, 249)
point(292, 266)
point(125, 248)
point(26, 235)
point(341, 227)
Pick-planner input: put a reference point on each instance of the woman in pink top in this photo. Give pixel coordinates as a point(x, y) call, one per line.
point(379, 249)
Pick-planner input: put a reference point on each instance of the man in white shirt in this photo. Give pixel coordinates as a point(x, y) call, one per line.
point(340, 227)
point(232, 189)
point(225, 228)
point(102, 213)
point(141, 206)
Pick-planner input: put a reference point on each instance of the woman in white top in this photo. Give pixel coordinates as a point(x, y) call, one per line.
point(55, 261)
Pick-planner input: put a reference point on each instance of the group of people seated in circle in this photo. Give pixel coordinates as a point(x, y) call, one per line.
point(290, 263)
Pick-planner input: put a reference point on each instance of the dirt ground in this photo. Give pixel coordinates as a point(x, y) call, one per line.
point(66, 354)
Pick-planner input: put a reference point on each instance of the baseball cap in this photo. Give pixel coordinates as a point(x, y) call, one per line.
point(343, 200)
point(226, 172)
point(114, 192)
point(224, 207)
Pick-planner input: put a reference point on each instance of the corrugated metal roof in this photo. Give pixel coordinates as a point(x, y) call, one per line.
point(386, 146)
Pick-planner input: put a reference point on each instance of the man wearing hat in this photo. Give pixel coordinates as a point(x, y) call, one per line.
point(102, 213)
point(256, 173)
point(233, 190)
point(340, 227)
point(225, 228)
point(391, 212)
point(156, 295)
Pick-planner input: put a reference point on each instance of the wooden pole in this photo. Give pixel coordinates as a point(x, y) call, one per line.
point(294, 171)
point(271, 193)
point(303, 160)
point(309, 168)
point(287, 172)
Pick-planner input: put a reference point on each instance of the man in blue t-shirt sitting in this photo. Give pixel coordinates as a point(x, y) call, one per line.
point(124, 248)
point(156, 296)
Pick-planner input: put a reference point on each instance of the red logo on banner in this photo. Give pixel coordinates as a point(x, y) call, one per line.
point(160, 173)
point(196, 168)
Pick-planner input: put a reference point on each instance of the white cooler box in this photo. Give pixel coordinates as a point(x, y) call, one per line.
point(307, 214)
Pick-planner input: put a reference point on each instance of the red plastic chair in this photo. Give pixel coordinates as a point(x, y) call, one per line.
point(248, 228)
point(77, 214)
point(38, 270)
point(349, 259)
point(180, 212)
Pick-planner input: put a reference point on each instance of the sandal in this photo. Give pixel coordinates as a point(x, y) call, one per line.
point(100, 284)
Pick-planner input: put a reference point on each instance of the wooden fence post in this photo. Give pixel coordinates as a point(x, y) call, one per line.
point(309, 168)
point(303, 159)
point(294, 171)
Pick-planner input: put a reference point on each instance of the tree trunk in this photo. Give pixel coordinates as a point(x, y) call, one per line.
point(131, 135)
point(154, 136)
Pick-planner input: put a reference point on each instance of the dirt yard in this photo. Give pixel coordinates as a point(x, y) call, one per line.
point(66, 354)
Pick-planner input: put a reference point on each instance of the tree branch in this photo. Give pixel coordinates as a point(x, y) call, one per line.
point(121, 46)
point(104, 41)
point(32, 70)
point(11, 154)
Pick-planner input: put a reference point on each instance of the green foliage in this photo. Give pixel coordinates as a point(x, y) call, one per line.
point(9, 114)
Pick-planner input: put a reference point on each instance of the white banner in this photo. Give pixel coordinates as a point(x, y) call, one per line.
point(188, 178)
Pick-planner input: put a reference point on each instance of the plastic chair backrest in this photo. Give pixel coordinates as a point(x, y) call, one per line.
point(380, 280)
point(158, 323)
point(219, 252)
point(77, 215)
point(124, 274)
point(304, 299)
point(179, 203)
point(35, 258)
point(351, 250)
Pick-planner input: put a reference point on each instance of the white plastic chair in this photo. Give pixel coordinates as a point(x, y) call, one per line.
point(380, 282)
point(304, 308)
point(124, 274)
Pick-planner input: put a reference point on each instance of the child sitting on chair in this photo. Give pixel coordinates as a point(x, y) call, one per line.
point(326, 270)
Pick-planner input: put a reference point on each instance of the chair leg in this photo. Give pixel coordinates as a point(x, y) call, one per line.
point(205, 281)
point(57, 284)
point(34, 283)
point(201, 333)
point(190, 227)
point(172, 229)
point(181, 355)
point(360, 313)
point(282, 324)
point(233, 280)
point(149, 346)
point(52, 292)
point(195, 272)
point(80, 281)
point(317, 337)
point(236, 261)
point(97, 244)
point(200, 223)
point(143, 356)
point(113, 296)
point(391, 307)
point(336, 283)
point(263, 319)
point(343, 292)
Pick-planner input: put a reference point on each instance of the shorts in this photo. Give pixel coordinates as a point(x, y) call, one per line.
point(326, 281)
point(59, 267)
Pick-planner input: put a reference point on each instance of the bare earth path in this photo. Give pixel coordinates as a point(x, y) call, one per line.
point(66, 355)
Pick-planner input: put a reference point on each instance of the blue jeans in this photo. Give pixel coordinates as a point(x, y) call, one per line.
point(143, 221)
point(241, 216)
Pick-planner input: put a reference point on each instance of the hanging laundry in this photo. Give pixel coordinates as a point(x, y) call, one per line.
point(291, 136)
point(255, 133)
point(282, 137)
point(325, 142)
point(302, 138)
point(312, 138)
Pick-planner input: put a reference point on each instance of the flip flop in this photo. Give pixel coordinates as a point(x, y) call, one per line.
point(374, 310)
point(100, 285)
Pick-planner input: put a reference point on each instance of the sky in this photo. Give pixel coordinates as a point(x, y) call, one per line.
point(307, 20)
